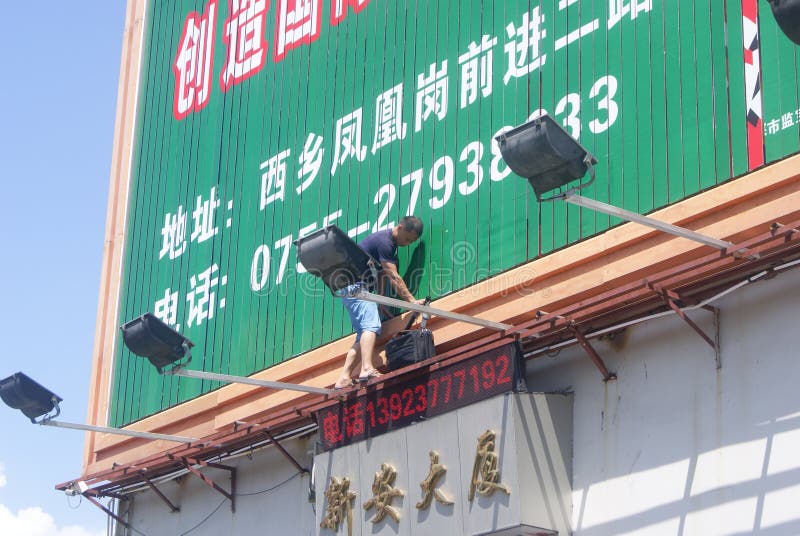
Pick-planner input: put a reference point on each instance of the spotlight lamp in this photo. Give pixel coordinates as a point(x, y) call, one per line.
point(334, 257)
point(148, 336)
point(542, 152)
point(545, 154)
point(20, 392)
point(787, 15)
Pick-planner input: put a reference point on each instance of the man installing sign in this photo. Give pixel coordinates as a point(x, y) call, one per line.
point(381, 246)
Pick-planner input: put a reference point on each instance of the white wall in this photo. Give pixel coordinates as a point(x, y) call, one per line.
point(284, 510)
point(675, 446)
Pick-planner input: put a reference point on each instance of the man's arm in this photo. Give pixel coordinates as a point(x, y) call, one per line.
point(390, 269)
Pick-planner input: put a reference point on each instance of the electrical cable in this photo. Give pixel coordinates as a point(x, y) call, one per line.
point(205, 518)
point(70, 503)
point(751, 279)
point(276, 486)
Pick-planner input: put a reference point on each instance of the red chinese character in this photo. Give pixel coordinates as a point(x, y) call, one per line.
point(354, 420)
point(331, 430)
point(339, 9)
point(193, 61)
point(298, 22)
point(244, 37)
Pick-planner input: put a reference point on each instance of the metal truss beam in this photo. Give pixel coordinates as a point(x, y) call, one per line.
point(106, 510)
point(593, 355)
point(189, 464)
point(402, 304)
point(268, 433)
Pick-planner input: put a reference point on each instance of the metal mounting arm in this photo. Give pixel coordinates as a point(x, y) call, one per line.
point(402, 304)
point(180, 371)
point(611, 210)
point(117, 431)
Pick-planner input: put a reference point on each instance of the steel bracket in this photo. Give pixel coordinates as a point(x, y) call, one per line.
point(593, 355)
point(268, 433)
point(671, 298)
point(189, 464)
point(142, 472)
point(106, 510)
point(158, 492)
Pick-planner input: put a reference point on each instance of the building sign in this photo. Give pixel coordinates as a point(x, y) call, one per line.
point(494, 467)
point(261, 121)
point(420, 397)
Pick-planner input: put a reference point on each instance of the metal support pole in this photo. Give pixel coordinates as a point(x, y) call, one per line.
point(118, 431)
point(644, 220)
point(268, 433)
point(718, 357)
point(593, 355)
point(188, 462)
point(200, 375)
point(158, 492)
point(285, 452)
point(402, 304)
point(670, 301)
point(106, 510)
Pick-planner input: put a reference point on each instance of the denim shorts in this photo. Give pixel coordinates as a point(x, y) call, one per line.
point(363, 314)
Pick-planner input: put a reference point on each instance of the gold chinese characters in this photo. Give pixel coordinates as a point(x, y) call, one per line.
point(485, 481)
point(383, 491)
point(429, 489)
point(485, 474)
point(339, 505)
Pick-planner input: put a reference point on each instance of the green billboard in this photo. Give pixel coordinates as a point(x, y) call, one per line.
point(261, 121)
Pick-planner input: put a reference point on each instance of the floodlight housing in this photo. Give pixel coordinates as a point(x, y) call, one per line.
point(335, 258)
point(20, 392)
point(542, 152)
point(148, 336)
point(787, 15)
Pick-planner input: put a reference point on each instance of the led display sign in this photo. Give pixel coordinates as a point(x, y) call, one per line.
point(420, 397)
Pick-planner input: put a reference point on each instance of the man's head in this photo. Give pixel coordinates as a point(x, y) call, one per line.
point(407, 231)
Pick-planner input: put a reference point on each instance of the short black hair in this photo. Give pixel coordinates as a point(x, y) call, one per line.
point(412, 224)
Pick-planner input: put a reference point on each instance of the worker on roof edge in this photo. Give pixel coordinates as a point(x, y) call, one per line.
point(381, 246)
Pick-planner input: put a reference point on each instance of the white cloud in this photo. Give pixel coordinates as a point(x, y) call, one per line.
point(36, 522)
point(2, 475)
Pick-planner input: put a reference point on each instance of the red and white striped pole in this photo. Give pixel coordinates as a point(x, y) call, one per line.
point(752, 76)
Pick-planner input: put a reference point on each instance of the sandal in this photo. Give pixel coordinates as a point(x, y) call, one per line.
point(369, 375)
point(344, 384)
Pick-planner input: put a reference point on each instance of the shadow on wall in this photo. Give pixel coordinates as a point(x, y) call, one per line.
point(675, 446)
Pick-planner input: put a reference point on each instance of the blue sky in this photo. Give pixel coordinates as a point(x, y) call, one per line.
point(60, 69)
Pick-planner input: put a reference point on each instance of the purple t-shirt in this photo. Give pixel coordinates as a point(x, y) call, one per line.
point(380, 246)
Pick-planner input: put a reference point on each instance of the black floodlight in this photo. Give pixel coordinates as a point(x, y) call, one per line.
point(787, 15)
point(147, 336)
point(542, 152)
point(335, 258)
point(20, 392)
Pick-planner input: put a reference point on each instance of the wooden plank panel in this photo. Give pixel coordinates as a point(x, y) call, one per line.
point(688, 89)
point(736, 89)
point(674, 170)
point(720, 97)
point(704, 95)
point(628, 122)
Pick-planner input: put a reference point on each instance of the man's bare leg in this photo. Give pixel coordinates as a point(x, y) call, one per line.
point(368, 354)
point(353, 355)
